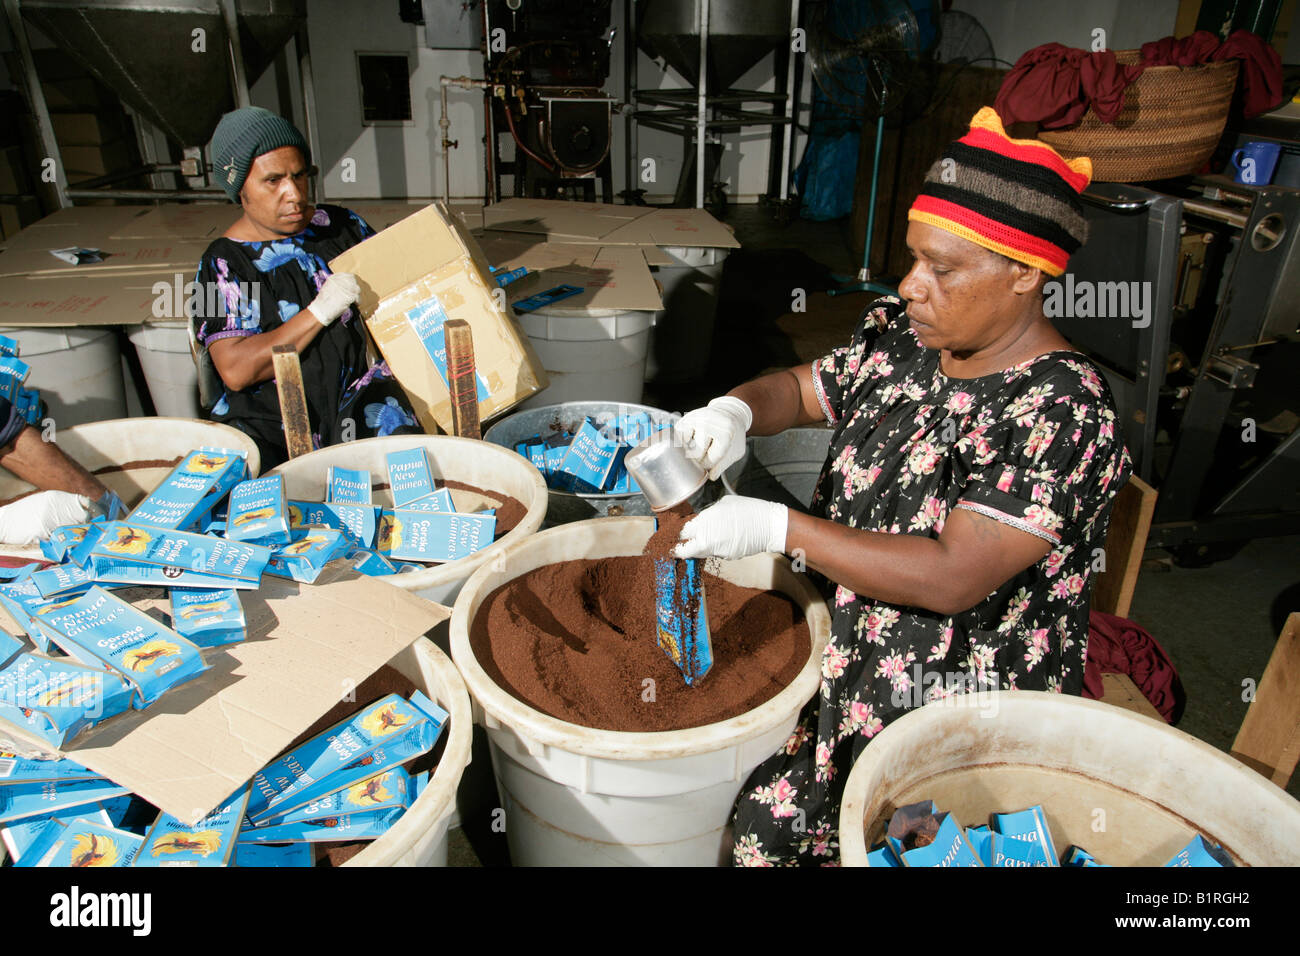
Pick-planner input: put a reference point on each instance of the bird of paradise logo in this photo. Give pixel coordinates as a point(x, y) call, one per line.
point(390, 533)
point(384, 720)
point(205, 464)
point(203, 843)
point(128, 540)
point(92, 849)
point(370, 793)
point(148, 654)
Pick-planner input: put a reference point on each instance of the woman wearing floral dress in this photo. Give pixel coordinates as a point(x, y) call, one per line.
point(973, 461)
point(266, 282)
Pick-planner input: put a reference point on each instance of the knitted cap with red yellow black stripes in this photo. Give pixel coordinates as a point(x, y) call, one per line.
point(1018, 197)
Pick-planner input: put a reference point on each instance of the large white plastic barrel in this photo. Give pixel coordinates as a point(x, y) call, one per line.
point(164, 351)
point(995, 752)
point(681, 334)
point(78, 371)
point(132, 456)
point(576, 796)
point(477, 463)
point(419, 838)
point(588, 354)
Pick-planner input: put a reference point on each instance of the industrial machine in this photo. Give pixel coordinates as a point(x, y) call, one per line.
point(1186, 293)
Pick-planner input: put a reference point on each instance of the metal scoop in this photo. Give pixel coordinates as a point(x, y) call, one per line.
point(664, 473)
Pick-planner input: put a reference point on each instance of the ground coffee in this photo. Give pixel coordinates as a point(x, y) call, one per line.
point(577, 641)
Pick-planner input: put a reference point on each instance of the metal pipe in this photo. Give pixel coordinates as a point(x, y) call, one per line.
point(308, 81)
point(630, 64)
point(1216, 213)
point(148, 169)
point(238, 76)
point(788, 133)
point(36, 100)
point(147, 194)
point(701, 104)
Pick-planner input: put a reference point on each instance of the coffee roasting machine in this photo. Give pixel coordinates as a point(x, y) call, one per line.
point(1206, 380)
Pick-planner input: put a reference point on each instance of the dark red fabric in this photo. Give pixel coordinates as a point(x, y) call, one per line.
point(1117, 645)
point(1054, 85)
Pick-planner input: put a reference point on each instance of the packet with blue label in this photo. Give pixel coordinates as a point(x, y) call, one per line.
point(348, 742)
point(35, 799)
point(370, 825)
point(379, 791)
point(13, 373)
point(208, 617)
point(348, 486)
point(360, 522)
point(682, 616)
point(981, 841)
point(590, 457)
point(370, 563)
point(882, 856)
point(18, 836)
point(62, 540)
point(306, 557)
point(23, 601)
point(139, 554)
point(62, 579)
point(210, 842)
point(432, 537)
point(409, 476)
point(56, 700)
point(10, 647)
point(1005, 851)
point(28, 402)
point(927, 839)
point(1078, 856)
point(1200, 853)
point(81, 843)
point(99, 627)
point(258, 512)
point(17, 769)
point(439, 501)
point(193, 488)
point(8, 346)
point(273, 855)
point(1030, 828)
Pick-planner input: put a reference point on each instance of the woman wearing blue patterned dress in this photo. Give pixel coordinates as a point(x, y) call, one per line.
point(973, 462)
point(267, 282)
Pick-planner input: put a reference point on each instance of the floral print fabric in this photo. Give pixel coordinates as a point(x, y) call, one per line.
point(254, 287)
point(1034, 447)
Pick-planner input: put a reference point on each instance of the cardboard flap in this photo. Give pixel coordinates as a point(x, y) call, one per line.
point(617, 278)
point(307, 646)
point(192, 221)
point(120, 256)
point(674, 227)
point(99, 299)
point(560, 218)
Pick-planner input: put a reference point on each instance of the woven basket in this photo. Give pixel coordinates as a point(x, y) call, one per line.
point(1172, 119)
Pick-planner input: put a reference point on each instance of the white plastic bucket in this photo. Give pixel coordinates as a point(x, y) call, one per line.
point(132, 442)
point(164, 351)
point(681, 336)
point(77, 370)
point(1157, 786)
point(478, 463)
point(419, 838)
point(576, 796)
point(588, 354)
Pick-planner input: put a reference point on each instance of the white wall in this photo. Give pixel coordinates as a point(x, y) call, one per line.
point(1016, 26)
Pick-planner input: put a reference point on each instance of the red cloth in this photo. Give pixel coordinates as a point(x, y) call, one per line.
point(1118, 646)
point(1054, 85)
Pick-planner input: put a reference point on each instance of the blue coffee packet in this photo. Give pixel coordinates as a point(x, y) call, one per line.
point(210, 842)
point(1012, 851)
point(409, 476)
point(193, 488)
point(258, 512)
point(208, 617)
point(439, 501)
point(35, 799)
point(432, 537)
point(380, 724)
point(370, 563)
point(1029, 827)
point(948, 849)
point(380, 791)
point(81, 843)
point(348, 486)
point(981, 841)
point(682, 616)
point(1078, 856)
point(1200, 853)
point(140, 554)
point(306, 557)
point(100, 628)
point(18, 769)
point(273, 855)
point(882, 856)
point(10, 647)
point(19, 835)
point(590, 456)
point(359, 522)
point(56, 700)
point(62, 579)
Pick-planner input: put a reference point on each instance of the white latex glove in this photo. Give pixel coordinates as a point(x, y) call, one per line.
point(32, 518)
point(339, 291)
point(714, 435)
point(735, 527)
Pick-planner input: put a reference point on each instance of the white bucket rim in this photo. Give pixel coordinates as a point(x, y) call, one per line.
point(504, 707)
point(440, 575)
point(440, 791)
point(1022, 705)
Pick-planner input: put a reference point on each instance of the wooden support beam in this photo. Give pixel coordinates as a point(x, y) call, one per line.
point(293, 400)
point(462, 382)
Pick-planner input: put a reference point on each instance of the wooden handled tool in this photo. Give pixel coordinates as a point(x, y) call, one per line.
point(293, 400)
point(462, 383)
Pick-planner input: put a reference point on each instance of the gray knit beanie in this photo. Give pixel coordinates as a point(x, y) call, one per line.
point(245, 134)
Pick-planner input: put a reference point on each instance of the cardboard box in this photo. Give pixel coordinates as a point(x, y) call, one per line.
point(94, 299)
point(414, 276)
point(189, 751)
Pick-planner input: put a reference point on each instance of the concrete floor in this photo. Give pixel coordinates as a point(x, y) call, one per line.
point(1218, 624)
